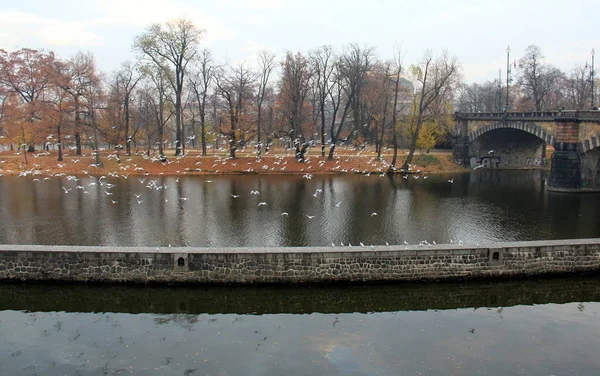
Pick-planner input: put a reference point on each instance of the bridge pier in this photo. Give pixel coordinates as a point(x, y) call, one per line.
point(460, 149)
point(565, 171)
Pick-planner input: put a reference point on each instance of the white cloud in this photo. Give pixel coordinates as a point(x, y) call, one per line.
point(19, 29)
point(129, 13)
point(265, 4)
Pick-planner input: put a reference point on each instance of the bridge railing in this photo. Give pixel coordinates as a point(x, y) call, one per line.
point(590, 116)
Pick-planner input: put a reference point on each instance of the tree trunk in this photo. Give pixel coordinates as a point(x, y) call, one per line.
point(126, 130)
point(178, 134)
point(232, 145)
point(60, 152)
point(331, 151)
point(77, 143)
point(258, 145)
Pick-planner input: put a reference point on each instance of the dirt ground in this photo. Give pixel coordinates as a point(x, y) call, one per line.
point(276, 161)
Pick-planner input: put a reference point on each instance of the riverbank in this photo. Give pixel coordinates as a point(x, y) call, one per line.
point(276, 161)
point(298, 265)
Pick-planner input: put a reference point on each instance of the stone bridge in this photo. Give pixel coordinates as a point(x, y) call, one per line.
point(519, 140)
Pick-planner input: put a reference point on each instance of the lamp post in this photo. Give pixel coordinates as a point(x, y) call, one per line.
point(593, 53)
point(507, 75)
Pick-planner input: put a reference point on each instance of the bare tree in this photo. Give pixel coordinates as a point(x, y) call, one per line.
point(158, 98)
point(356, 62)
point(94, 95)
point(480, 97)
point(200, 83)
point(126, 79)
point(577, 88)
point(322, 66)
point(397, 67)
point(293, 90)
point(234, 86)
point(538, 80)
point(266, 65)
point(171, 47)
point(435, 78)
point(339, 93)
point(82, 76)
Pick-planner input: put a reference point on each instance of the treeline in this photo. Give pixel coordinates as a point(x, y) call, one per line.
point(177, 96)
point(534, 85)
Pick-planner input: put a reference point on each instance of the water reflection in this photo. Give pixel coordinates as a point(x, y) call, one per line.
point(220, 211)
point(289, 299)
point(539, 327)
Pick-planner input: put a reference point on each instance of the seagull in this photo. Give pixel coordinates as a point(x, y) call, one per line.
point(262, 203)
point(113, 201)
point(490, 152)
point(285, 214)
point(338, 204)
point(254, 192)
point(310, 216)
point(373, 214)
point(137, 196)
point(451, 180)
point(235, 196)
point(66, 190)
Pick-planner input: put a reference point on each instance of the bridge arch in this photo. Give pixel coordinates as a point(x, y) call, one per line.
point(529, 127)
point(590, 143)
point(590, 163)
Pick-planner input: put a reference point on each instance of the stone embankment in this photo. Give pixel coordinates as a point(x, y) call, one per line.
point(297, 265)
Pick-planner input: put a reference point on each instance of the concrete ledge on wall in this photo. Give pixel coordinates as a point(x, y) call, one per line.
point(297, 264)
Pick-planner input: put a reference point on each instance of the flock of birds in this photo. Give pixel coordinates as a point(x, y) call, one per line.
point(105, 183)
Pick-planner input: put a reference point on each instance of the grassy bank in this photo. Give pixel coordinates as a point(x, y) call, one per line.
point(277, 161)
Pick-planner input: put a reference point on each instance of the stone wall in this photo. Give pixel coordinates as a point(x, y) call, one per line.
point(297, 265)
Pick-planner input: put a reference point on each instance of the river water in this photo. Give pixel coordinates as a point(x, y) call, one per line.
point(529, 327)
point(224, 211)
point(534, 327)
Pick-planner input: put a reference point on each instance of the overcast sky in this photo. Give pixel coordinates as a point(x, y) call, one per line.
point(476, 32)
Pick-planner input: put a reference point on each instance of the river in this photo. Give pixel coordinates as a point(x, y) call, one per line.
point(263, 210)
point(529, 327)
